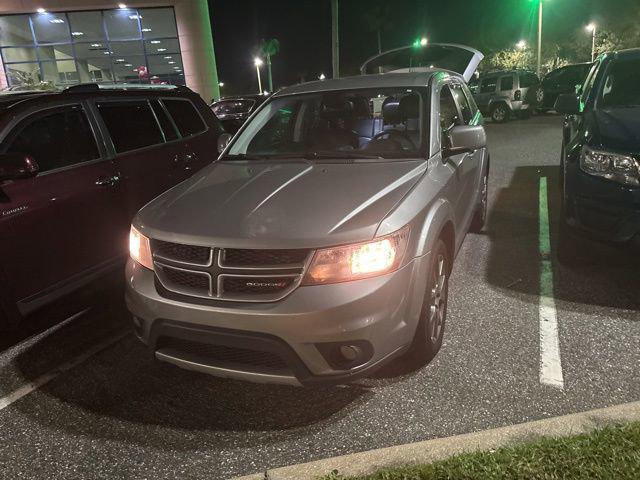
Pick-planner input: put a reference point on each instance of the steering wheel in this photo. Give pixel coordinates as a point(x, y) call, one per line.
point(394, 133)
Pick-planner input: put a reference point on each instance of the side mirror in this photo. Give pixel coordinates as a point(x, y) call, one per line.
point(14, 166)
point(568, 104)
point(223, 141)
point(464, 139)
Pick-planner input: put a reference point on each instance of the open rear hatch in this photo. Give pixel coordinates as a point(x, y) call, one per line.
point(414, 58)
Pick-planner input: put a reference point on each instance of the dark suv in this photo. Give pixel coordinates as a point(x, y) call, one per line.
point(75, 167)
point(600, 161)
point(561, 80)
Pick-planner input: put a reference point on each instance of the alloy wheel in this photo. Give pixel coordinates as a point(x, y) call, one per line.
point(438, 303)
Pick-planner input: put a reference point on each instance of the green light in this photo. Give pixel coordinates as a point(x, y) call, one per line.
point(420, 42)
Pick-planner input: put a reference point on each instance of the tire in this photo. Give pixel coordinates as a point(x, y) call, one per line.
point(480, 215)
point(499, 113)
point(430, 331)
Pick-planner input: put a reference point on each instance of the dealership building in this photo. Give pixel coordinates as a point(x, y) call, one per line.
point(56, 43)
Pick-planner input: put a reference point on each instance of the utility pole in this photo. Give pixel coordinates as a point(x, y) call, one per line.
point(335, 39)
point(539, 37)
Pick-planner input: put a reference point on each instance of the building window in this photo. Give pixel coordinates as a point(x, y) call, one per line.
point(56, 49)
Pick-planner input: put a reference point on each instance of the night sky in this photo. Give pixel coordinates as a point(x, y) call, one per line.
point(303, 28)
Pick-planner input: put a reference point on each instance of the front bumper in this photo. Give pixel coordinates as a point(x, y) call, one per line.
point(605, 209)
point(377, 315)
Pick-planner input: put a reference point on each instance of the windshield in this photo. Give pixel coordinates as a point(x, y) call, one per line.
point(621, 87)
point(375, 122)
point(232, 107)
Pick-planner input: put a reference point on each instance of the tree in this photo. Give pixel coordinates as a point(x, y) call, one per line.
point(511, 58)
point(268, 49)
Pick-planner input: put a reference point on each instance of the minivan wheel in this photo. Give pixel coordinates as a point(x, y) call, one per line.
point(500, 113)
point(480, 215)
point(428, 338)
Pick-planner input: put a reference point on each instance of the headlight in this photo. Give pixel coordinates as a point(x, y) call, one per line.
point(362, 260)
point(612, 166)
point(139, 248)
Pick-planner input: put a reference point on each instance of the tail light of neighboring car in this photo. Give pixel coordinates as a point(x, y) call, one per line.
point(517, 95)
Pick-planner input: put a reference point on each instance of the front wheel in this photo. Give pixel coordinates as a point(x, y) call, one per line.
point(430, 331)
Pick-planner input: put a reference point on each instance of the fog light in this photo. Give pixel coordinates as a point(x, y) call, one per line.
point(350, 352)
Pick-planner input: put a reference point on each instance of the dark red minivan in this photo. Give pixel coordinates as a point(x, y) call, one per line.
point(75, 167)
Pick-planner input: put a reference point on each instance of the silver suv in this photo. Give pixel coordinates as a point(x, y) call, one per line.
point(504, 94)
point(319, 246)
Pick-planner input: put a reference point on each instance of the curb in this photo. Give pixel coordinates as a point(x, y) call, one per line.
point(428, 451)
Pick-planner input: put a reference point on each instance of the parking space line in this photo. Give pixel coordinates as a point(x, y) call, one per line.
point(550, 365)
point(47, 377)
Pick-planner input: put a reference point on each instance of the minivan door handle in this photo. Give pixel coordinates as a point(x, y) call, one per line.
point(111, 181)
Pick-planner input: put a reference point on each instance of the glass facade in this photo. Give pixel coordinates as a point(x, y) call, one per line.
point(121, 45)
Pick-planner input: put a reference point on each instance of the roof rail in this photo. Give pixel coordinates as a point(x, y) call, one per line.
point(94, 87)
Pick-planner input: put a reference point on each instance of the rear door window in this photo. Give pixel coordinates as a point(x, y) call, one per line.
point(185, 116)
point(131, 124)
point(168, 128)
point(506, 83)
point(55, 138)
point(488, 85)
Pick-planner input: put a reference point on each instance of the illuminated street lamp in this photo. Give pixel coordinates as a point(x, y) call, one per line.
point(423, 42)
point(521, 45)
point(258, 62)
point(592, 28)
point(322, 76)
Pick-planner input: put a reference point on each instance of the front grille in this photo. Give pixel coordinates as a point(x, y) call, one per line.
point(181, 253)
point(232, 274)
point(256, 285)
point(235, 257)
point(223, 355)
point(185, 281)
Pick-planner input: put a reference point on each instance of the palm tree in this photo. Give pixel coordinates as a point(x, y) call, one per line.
point(377, 19)
point(268, 49)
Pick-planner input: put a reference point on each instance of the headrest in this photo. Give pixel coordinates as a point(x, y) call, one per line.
point(390, 111)
point(336, 106)
point(410, 107)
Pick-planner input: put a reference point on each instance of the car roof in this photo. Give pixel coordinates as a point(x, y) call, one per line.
point(381, 80)
point(628, 53)
point(77, 93)
point(250, 96)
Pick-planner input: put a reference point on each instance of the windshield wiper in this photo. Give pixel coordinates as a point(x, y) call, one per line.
point(341, 155)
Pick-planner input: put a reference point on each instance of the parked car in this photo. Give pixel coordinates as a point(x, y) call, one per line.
point(600, 160)
point(561, 80)
point(319, 246)
point(234, 111)
point(75, 167)
point(501, 95)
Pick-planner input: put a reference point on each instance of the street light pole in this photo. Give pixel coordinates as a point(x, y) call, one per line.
point(592, 28)
point(335, 39)
point(258, 61)
point(539, 37)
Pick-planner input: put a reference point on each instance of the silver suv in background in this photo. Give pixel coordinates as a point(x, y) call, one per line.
point(319, 246)
point(501, 95)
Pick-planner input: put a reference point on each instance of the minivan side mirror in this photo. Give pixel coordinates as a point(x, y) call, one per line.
point(223, 141)
point(14, 166)
point(567, 103)
point(464, 139)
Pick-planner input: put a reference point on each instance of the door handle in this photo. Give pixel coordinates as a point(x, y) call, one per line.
point(108, 181)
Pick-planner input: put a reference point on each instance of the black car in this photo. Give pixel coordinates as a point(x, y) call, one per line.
point(233, 111)
point(600, 163)
point(561, 80)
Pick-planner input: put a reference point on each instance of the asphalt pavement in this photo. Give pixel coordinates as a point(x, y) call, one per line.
point(116, 413)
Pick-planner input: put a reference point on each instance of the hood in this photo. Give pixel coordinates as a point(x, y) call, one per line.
point(618, 128)
point(254, 204)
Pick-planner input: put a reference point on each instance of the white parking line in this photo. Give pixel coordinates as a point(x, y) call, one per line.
point(550, 365)
point(47, 377)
